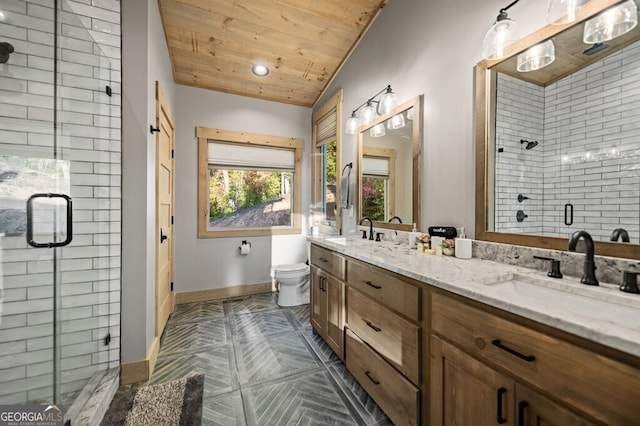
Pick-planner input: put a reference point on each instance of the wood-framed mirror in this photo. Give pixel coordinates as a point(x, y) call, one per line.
point(389, 167)
point(557, 149)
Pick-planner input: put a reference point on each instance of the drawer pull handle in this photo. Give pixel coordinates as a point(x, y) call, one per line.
point(498, 343)
point(501, 392)
point(368, 374)
point(322, 259)
point(377, 329)
point(522, 405)
point(370, 284)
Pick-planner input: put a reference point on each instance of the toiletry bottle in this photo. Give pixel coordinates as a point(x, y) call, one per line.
point(463, 246)
point(412, 237)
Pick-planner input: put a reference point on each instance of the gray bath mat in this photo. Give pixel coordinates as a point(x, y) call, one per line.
point(178, 402)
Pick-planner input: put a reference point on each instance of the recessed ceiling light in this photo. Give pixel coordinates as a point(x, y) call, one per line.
point(260, 70)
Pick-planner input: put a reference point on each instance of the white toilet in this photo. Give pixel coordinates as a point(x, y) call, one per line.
point(293, 283)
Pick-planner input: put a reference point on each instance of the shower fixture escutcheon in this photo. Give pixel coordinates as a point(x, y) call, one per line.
point(521, 216)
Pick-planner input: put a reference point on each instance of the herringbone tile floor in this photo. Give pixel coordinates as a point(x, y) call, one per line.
point(263, 365)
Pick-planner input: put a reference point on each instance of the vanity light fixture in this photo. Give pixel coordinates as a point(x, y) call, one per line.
point(611, 23)
point(260, 70)
point(502, 33)
point(377, 131)
point(536, 57)
point(396, 122)
point(561, 12)
point(386, 104)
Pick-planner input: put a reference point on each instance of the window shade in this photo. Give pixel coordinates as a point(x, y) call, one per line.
point(326, 129)
point(244, 155)
point(376, 166)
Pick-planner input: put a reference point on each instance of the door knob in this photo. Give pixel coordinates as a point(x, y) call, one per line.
point(162, 236)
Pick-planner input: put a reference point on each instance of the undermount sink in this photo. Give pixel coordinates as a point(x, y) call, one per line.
point(602, 302)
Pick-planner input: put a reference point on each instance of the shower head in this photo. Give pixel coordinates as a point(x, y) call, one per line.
point(530, 144)
point(6, 49)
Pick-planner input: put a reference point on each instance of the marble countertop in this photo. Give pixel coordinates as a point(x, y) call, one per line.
point(601, 314)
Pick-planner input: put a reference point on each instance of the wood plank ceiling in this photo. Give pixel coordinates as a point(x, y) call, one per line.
point(214, 43)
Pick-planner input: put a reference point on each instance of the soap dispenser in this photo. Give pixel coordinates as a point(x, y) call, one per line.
point(413, 235)
point(463, 245)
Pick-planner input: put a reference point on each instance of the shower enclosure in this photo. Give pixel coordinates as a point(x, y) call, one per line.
point(60, 163)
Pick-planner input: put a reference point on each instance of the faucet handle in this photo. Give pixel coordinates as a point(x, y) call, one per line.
point(554, 272)
point(629, 282)
point(378, 235)
point(364, 234)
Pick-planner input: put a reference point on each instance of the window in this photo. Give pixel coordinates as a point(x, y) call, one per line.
point(327, 140)
point(248, 184)
point(378, 183)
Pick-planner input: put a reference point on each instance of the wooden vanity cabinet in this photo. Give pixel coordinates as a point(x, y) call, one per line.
point(327, 297)
point(384, 336)
point(486, 368)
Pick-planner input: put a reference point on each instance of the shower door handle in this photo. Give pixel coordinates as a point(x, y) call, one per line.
point(568, 214)
point(69, 216)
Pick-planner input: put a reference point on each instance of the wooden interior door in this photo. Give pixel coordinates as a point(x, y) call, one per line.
point(165, 297)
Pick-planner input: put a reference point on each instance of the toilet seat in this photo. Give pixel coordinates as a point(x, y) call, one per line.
point(290, 270)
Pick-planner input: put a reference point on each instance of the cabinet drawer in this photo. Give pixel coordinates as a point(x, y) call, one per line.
point(385, 288)
point(392, 336)
point(328, 261)
point(580, 377)
point(397, 397)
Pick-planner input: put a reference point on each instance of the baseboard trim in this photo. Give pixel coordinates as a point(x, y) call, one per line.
point(140, 370)
point(222, 293)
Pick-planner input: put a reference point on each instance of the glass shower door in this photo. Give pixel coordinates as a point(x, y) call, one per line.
point(59, 199)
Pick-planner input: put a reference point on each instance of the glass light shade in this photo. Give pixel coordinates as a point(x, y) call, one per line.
point(388, 102)
point(377, 131)
point(563, 11)
point(396, 122)
point(611, 23)
point(536, 57)
point(501, 34)
point(367, 114)
point(410, 114)
point(352, 124)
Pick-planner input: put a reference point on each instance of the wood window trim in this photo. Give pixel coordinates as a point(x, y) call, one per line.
point(204, 135)
point(333, 105)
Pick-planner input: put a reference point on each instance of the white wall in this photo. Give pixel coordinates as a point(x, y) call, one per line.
point(145, 60)
point(431, 48)
point(210, 263)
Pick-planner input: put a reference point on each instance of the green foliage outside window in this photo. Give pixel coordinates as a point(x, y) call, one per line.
point(373, 198)
point(234, 190)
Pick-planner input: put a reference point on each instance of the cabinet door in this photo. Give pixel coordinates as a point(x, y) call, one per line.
point(465, 391)
point(318, 301)
point(535, 409)
point(334, 293)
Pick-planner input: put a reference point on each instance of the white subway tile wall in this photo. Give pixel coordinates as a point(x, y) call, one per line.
point(88, 126)
point(589, 152)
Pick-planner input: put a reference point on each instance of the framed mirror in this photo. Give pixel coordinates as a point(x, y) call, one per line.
point(389, 163)
point(557, 149)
